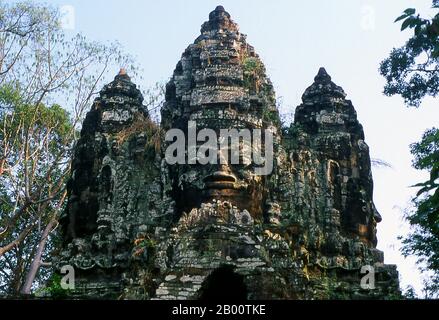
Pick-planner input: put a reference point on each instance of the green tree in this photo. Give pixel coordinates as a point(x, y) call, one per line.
point(41, 162)
point(423, 240)
point(41, 68)
point(412, 71)
point(410, 293)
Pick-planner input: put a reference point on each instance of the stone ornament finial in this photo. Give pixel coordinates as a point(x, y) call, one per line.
point(122, 85)
point(219, 19)
point(323, 88)
point(123, 76)
point(322, 76)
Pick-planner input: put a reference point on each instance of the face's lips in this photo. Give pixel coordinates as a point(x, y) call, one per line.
point(220, 180)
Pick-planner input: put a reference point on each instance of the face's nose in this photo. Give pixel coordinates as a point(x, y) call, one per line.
point(222, 174)
point(223, 177)
point(376, 215)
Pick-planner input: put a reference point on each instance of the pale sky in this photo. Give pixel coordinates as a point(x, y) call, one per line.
point(294, 38)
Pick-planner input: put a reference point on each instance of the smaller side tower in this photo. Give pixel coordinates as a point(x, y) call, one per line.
point(116, 176)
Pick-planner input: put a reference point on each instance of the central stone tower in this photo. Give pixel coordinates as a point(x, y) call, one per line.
point(220, 83)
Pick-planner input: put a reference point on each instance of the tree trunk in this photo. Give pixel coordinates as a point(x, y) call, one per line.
point(36, 263)
point(17, 241)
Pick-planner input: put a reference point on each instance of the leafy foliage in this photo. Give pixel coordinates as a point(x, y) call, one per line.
point(409, 293)
point(54, 289)
point(252, 69)
point(412, 71)
point(41, 69)
point(46, 134)
point(423, 240)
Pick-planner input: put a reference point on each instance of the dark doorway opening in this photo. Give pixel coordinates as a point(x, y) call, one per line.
point(223, 284)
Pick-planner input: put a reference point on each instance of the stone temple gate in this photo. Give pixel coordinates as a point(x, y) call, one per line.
point(137, 227)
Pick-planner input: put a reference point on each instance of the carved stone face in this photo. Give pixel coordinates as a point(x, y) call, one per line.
point(221, 84)
point(224, 180)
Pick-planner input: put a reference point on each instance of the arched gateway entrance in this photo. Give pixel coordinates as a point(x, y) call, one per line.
point(223, 284)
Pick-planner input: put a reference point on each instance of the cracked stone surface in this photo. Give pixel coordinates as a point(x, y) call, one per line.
point(138, 228)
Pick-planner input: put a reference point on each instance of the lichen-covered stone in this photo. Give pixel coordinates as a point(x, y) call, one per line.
point(139, 228)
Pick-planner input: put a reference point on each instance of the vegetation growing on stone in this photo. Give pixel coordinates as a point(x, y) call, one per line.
point(253, 72)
